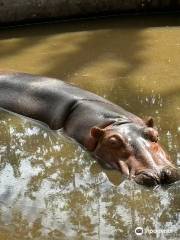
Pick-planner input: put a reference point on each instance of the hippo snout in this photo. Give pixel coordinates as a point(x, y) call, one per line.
point(149, 178)
point(170, 175)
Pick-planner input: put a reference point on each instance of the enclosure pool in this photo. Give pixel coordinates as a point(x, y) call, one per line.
point(50, 188)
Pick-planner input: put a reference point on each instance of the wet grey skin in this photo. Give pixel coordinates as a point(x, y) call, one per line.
point(111, 134)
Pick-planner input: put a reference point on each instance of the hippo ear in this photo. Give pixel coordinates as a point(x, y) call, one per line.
point(96, 132)
point(150, 122)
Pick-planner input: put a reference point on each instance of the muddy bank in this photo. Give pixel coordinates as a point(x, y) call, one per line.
point(20, 11)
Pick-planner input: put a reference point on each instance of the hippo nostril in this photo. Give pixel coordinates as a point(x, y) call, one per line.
point(147, 178)
point(169, 175)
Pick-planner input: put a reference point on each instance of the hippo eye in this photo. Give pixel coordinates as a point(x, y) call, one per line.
point(115, 141)
point(151, 134)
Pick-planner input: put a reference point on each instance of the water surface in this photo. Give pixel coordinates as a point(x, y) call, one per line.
point(50, 188)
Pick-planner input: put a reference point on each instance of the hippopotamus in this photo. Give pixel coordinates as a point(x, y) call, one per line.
point(115, 137)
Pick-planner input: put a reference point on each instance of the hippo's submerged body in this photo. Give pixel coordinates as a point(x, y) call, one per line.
point(59, 105)
point(111, 134)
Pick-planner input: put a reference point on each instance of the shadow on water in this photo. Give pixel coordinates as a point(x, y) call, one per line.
point(118, 39)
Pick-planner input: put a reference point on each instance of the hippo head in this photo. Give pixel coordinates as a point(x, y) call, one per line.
point(134, 150)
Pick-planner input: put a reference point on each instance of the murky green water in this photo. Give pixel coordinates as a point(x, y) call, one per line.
point(50, 188)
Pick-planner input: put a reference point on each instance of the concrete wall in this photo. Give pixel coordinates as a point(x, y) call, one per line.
point(17, 11)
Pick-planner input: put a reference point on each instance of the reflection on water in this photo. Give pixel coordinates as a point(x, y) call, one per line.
point(50, 188)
